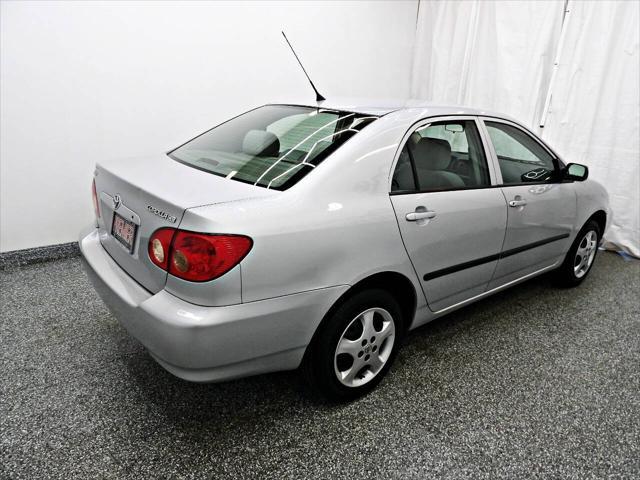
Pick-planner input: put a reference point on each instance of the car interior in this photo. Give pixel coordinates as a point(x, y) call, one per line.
point(279, 153)
point(438, 164)
point(521, 158)
point(457, 160)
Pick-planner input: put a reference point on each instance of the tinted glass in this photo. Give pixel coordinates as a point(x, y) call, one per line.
point(521, 158)
point(273, 146)
point(445, 156)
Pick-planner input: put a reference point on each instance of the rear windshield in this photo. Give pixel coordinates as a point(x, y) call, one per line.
point(272, 146)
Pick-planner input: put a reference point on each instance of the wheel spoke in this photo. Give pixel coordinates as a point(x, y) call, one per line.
point(584, 263)
point(351, 347)
point(350, 374)
point(376, 362)
point(577, 261)
point(387, 329)
point(367, 323)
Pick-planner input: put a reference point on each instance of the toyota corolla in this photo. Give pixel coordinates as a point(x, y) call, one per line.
point(316, 236)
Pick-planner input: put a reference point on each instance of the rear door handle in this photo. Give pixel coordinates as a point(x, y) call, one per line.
point(518, 202)
point(415, 216)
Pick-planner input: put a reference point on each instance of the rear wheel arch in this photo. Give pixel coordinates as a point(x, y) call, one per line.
point(323, 365)
point(397, 284)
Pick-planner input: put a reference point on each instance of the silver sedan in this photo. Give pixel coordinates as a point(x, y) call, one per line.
point(316, 236)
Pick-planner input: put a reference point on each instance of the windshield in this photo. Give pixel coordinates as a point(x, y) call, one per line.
point(272, 146)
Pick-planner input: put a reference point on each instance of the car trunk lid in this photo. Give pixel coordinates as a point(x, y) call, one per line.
point(151, 193)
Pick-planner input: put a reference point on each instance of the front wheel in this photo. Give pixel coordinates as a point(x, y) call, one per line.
point(355, 346)
point(580, 257)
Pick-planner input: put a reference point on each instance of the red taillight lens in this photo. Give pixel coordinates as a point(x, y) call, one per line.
point(200, 257)
point(197, 257)
point(94, 194)
point(160, 245)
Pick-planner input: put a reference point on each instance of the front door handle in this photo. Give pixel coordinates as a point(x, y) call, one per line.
point(518, 202)
point(415, 216)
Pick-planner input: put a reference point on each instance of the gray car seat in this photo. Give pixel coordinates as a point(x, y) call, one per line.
point(403, 174)
point(260, 143)
point(432, 156)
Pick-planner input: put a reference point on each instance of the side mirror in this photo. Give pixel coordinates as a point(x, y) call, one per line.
point(577, 172)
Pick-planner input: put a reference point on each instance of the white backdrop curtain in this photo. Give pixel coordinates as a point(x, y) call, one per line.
point(500, 56)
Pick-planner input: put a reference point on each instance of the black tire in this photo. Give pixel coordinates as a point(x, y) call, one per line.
point(566, 275)
point(319, 368)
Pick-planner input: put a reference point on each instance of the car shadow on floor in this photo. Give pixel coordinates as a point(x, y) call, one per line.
point(238, 403)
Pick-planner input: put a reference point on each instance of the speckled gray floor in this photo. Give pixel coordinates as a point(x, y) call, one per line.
point(532, 383)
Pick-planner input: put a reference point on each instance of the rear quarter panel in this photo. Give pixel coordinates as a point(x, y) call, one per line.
point(335, 227)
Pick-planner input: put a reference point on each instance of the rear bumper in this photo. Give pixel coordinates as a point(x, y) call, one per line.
point(206, 344)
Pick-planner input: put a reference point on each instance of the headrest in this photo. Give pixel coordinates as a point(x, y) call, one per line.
point(260, 143)
point(414, 138)
point(432, 153)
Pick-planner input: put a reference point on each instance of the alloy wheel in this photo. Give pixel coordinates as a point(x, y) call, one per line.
point(364, 347)
point(585, 254)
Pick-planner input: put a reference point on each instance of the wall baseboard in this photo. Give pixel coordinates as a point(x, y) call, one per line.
point(29, 256)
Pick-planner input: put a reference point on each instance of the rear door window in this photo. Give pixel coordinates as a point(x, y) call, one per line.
point(442, 156)
point(272, 146)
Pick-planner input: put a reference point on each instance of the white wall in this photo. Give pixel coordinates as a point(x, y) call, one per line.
point(83, 82)
point(486, 54)
point(499, 55)
point(595, 107)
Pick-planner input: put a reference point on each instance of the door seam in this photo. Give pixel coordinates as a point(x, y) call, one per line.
point(418, 277)
point(504, 239)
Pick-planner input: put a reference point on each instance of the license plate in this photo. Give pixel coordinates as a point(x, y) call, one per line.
point(124, 231)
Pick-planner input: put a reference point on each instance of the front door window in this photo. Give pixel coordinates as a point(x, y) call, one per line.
point(521, 158)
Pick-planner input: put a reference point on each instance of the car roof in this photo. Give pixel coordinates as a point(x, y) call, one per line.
point(385, 106)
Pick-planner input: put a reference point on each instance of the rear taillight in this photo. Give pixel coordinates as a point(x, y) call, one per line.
point(94, 194)
point(200, 257)
point(197, 257)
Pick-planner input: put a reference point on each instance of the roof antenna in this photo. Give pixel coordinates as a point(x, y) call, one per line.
point(319, 98)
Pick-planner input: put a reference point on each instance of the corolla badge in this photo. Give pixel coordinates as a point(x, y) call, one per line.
point(116, 201)
point(161, 214)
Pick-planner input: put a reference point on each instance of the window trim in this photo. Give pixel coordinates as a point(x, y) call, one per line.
point(495, 174)
point(427, 122)
point(557, 162)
